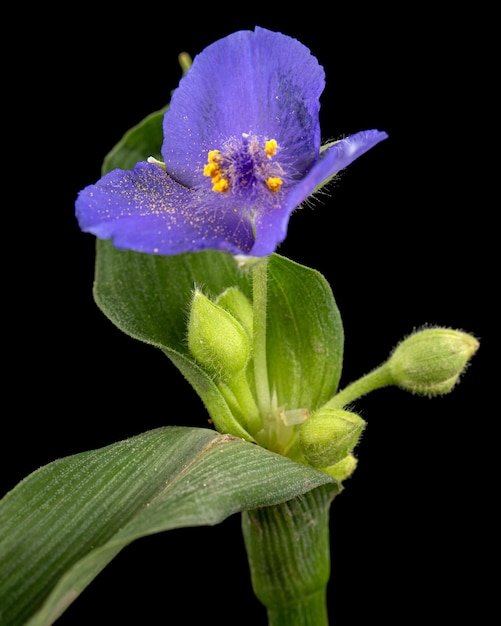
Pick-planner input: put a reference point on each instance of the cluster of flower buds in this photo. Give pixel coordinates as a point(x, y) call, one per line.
point(220, 338)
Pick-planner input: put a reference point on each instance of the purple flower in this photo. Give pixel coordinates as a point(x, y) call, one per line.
point(241, 150)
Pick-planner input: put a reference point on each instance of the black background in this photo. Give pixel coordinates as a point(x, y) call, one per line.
point(405, 239)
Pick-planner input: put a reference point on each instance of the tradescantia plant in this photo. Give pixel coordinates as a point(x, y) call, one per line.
point(191, 207)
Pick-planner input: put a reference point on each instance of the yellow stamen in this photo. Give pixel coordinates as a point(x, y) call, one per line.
point(220, 185)
point(274, 183)
point(271, 147)
point(211, 169)
point(212, 156)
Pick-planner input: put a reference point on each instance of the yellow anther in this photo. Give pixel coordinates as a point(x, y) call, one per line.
point(212, 156)
point(274, 183)
point(221, 185)
point(211, 169)
point(271, 147)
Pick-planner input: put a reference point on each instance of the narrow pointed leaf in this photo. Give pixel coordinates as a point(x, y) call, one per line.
point(65, 522)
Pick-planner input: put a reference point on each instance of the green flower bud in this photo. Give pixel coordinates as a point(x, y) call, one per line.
point(430, 362)
point(344, 469)
point(329, 436)
point(216, 339)
point(236, 303)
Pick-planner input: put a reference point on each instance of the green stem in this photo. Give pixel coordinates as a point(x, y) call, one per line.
point(288, 549)
point(311, 611)
point(259, 297)
point(378, 378)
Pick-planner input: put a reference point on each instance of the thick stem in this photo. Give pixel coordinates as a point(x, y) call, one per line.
point(288, 550)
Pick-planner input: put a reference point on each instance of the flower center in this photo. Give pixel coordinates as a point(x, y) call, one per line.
point(246, 163)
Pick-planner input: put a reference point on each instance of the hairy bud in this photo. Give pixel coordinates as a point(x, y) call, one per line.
point(216, 339)
point(430, 361)
point(329, 435)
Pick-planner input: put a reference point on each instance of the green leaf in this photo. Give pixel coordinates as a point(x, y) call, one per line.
point(65, 522)
point(148, 297)
point(305, 335)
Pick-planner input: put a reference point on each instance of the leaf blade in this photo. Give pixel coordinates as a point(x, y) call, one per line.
point(305, 335)
point(65, 522)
